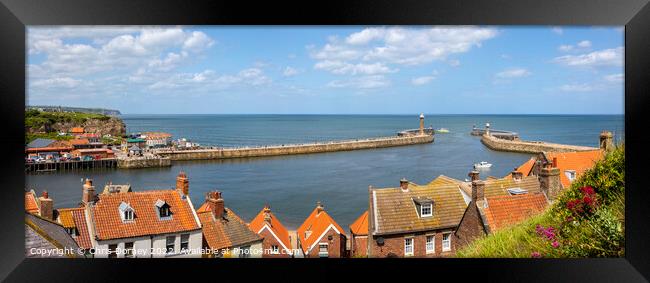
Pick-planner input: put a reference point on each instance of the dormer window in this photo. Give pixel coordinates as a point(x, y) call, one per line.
point(163, 209)
point(126, 212)
point(426, 210)
point(570, 174)
point(423, 206)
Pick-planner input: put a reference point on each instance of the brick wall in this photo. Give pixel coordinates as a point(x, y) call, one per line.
point(336, 246)
point(270, 240)
point(359, 246)
point(470, 227)
point(394, 244)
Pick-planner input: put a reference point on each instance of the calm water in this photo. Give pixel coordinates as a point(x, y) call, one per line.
point(293, 184)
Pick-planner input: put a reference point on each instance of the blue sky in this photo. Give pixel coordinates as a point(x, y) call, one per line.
point(329, 70)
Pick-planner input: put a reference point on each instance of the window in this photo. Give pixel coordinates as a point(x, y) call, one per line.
point(163, 209)
point(275, 249)
point(408, 246)
point(245, 252)
point(431, 244)
point(112, 251)
point(446, 242)
point(425, 210)
point(72, 231)
point(128, 215)
point(170, 244)
point(126, 212)
point(570, 174)
point(128, 249)
point(323, 250)
point(185, 242)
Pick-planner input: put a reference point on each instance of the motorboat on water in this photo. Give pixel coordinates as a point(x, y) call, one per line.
point(482, 165)
point(442, 130)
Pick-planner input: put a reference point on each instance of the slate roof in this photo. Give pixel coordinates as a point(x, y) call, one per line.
point(360, 226)
point(46, 234)
point(227, 232)
point(504, 211)
point(40, 143)
point(76, 218)
point(395, 211)
point(318, 223)
point(109, 224)
point(276, 226)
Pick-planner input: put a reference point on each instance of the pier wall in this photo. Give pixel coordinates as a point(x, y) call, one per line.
point(529, 146)
point(133, 163)
point(295, 149)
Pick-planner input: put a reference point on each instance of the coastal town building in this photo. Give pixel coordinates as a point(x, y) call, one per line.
point(111, 188)
point(413, 220)
point(359, 236)
point(75, 223)
point(500, 203)
point(95, 153)
point(156, 139)
point(45, 238)
point(225, 234)
point(277, 241)
point(321, 236)
point(75, 131)
point(155, 223)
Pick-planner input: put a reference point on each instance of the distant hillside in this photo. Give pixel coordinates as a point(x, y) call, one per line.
point(588, 220)
point(103, 111)
point(41, 124)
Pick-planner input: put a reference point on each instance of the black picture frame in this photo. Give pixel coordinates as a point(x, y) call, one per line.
point(15, 15)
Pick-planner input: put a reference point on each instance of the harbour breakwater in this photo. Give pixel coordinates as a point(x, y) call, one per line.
point(292, 149)
point(133, 163)
point(534, 147)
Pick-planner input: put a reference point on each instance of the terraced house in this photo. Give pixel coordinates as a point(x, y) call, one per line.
point(225, 234)
point(499, 203)
point(414, 220)
point(277, 242)
point(321, 236)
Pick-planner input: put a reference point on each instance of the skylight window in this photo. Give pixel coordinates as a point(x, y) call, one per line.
point(517, 191)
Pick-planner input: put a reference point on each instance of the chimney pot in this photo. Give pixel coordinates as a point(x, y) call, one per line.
point(46, 206)
point(216, 204)
point(319, 206)
point(88, 192)
point(183, 183)
point(404, 184)
point(516, 175)
point(478, 190)
point(474, 175)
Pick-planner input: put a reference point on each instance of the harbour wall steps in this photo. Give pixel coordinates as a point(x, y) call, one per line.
point(292, 149)
point(529, 146)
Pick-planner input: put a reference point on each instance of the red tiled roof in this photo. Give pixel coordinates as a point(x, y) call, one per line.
point(76, 217)
point(77, 130)
point(31, 205)
point(109, 224)
point(317, 223)
point(579, 161)
point(276, 227)
point(506, 210)
point(79, 141)
point(360, 226)
point(230, 231)
point(524, 168)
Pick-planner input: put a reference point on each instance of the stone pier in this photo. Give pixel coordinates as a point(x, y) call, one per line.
point(529, 146)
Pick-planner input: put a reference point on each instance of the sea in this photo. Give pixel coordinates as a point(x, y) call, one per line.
point(292, 185)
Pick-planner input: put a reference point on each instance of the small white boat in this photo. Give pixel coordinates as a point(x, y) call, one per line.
point(442, 130)
point(482, 164)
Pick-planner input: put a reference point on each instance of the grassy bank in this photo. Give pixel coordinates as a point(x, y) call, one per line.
point(37, 119)
point(588, 220)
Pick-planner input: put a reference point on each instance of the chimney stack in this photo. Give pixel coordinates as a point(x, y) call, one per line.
point(267, 214)
point(183, 183)
point(474, 175)
point(88, 192)
point(478, 190)
point(606, 140)
point(215, 203)
point(404, 184)
point(46, 206)
point(549, 180)
point(319, 207)
point(516, 175)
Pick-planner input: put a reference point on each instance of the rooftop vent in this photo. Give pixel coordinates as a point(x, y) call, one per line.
point(517, 191)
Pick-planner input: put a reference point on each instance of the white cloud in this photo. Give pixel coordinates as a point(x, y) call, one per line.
point(577, 88)
point(580, 46)
point(64, 82)
point(615, 78)
point(288, 72)
point(454, 63)
point(513, 73)
point(584, 44)
point(343, 68)
point(372, 51)
point(607, 57)
point(422, 80)
point(365, 82)
point(557, 30)
point(197, 42)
